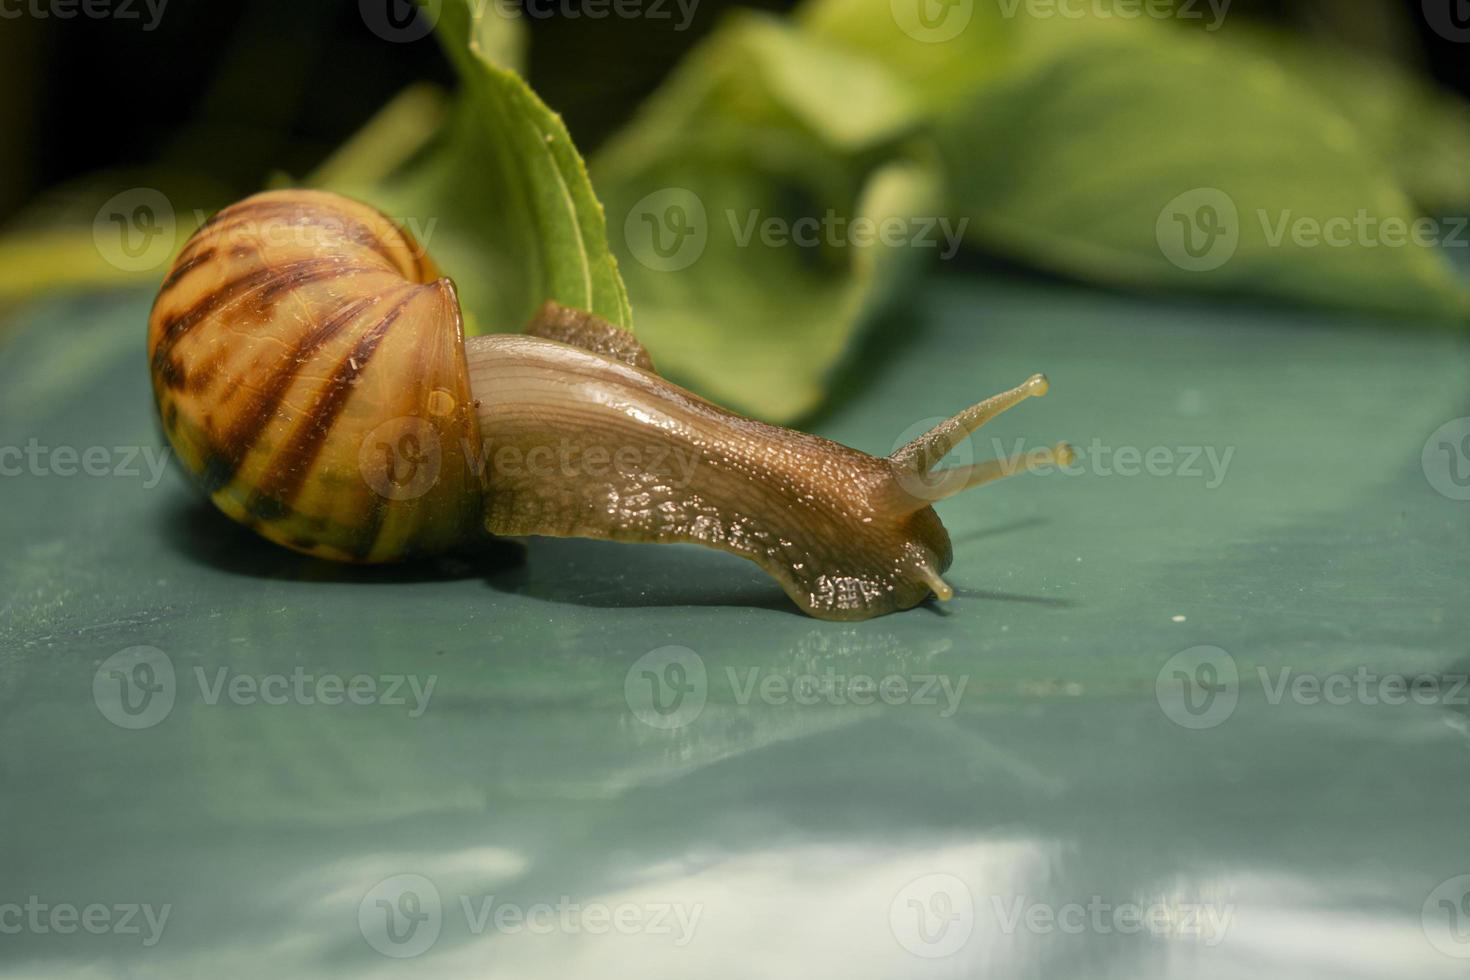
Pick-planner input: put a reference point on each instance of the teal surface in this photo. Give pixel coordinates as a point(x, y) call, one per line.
point(1103, 758)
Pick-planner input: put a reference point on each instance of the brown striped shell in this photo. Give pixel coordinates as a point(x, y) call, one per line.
point(308, 365)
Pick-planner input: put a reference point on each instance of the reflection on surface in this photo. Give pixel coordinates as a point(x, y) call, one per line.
point(749, 775)
point(762, 840)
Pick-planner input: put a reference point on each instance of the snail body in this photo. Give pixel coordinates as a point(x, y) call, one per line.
point(310, 369)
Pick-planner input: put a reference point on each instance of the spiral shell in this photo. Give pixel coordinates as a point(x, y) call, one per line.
point(308, 366)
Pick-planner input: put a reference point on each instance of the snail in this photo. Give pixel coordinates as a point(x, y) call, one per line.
point(310, 369)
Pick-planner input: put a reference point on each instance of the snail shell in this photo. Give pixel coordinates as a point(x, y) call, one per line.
point(308, 366)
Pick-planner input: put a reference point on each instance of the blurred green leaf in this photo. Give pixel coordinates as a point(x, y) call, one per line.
point(1418, 129)
point(946, 49)
point(90, 232)
point(940, 57)
point(56, 258)
point(1118, 150)
point(387, 142)
point(502, 201)
point(497, 33)
point(1066, 137)
point(1106, 161)
point(733, 197)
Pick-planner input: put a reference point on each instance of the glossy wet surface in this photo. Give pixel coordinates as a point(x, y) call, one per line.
point(1149, 737)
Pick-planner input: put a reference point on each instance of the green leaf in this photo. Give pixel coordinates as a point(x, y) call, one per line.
point(503, 201)
point(109, 229)
point(941, 61)
point(409, 121)
point(1419, 130)
point(35, 262)
point(945, 49)
point(761, 128)
point(1098, 160)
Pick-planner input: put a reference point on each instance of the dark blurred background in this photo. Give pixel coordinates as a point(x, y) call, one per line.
point(83, 95)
